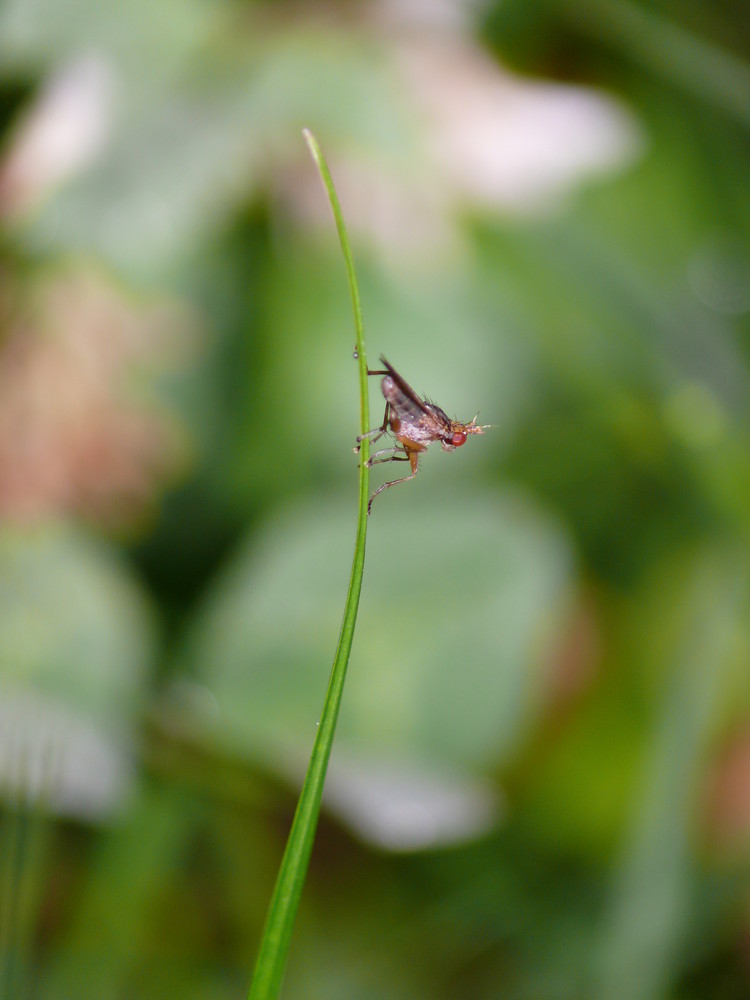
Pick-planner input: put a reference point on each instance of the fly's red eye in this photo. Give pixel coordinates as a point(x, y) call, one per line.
point(458, 439)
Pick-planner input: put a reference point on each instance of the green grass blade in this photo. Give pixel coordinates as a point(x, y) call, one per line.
point(277, 933)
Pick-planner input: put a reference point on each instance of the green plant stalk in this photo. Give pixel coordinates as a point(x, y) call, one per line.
point(282, 910)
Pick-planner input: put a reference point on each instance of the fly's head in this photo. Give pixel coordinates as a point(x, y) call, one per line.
point(457, 433)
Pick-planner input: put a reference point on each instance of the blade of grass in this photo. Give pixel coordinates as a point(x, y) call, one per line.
point(282, 910)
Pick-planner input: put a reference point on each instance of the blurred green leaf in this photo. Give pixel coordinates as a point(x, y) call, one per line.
point(147, 41)
point(76, 651)
point(74, 625)
point(458, 609)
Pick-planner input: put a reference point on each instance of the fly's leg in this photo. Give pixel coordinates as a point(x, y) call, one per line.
point(396, 454)
point(377, 432)
point(393, 482)
point(413, 457)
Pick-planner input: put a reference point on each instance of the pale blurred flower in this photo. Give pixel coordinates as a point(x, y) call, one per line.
point(56, 758)
point(500, 141)
point(398, 806)
point(59, 135)
point(76, 437)
point(483, 139)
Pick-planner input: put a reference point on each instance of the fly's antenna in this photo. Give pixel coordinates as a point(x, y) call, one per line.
point(474, 428)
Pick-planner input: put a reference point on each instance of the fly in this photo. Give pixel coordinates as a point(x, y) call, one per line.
point(414, 423)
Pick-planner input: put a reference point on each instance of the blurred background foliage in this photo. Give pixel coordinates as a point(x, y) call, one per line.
point(541, 786)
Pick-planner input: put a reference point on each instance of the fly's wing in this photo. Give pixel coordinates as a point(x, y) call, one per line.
point(405, 388)
point(425, 417)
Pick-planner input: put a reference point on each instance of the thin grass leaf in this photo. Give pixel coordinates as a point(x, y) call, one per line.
point(282, 911)
point(645, 933)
